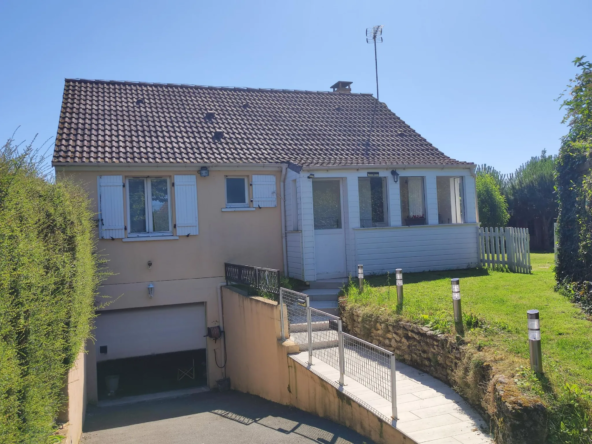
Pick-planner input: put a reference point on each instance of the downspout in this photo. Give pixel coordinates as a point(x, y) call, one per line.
point(472, 170)
point(283, 210)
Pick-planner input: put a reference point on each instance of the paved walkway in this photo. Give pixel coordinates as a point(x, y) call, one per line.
point(429, 411)
point(211, 418)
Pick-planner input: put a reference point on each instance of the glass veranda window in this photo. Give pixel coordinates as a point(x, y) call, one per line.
point(236, 192)
point(149, 209)
point(326, 201)
point(450, 200)
point(412, 201)
point(373, 202)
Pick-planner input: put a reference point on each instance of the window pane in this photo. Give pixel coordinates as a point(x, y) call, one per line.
point(235, 190)
point(137, 205)
point(160, 205)
point(450, 200)
point(373, 206)
point(412, 201)
point(326, 197)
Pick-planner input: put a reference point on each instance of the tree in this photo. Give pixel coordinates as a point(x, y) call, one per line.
point(530, 193)
point(574, 183)
point(493, 208)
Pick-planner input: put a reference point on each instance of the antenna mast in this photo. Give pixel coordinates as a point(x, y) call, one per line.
point(372, 35)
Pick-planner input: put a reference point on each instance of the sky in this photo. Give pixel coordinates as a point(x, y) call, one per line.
point(479, 79)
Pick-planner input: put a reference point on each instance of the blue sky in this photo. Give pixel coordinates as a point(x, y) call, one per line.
point(478, 79)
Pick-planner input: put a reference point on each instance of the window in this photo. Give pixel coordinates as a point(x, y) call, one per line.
point(450, 200)
point(237, 193)
point(373, 202)
point(149, 207)
point(412, 201)
point(326, 201)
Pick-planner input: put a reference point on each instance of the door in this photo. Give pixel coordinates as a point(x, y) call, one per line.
point(149, 331)
point(327, 199)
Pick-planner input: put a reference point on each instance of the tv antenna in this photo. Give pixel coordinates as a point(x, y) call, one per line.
point(374, 34)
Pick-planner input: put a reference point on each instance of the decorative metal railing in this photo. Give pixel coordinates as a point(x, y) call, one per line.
point(264, 279)
point(321, 334)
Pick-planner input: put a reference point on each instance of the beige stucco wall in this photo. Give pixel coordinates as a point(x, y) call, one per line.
point(258, 363)
point(189, 269)
point(75, 407)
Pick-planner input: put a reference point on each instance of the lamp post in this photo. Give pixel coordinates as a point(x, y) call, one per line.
point(534, 341)
point(458, 324)
point(361, 277)
point(399, 276)
point(151, 290)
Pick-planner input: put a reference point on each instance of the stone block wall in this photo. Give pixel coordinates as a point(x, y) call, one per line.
point(514, 417)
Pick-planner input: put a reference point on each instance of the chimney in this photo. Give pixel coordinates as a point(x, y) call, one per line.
point(342, 87)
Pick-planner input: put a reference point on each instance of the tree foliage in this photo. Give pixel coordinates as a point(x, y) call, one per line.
point(48, 280)
point(493, 208)
point(574, 182)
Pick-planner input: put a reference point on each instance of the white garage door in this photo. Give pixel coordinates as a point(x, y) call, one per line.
point(148, 331)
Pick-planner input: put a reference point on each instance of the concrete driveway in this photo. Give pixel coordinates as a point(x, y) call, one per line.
point(211, 417)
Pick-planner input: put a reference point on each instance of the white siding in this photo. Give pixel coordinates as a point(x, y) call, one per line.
point(357, 252)
point(294, 244)
point(111, 221)
point(186, 205)
point(419, 248)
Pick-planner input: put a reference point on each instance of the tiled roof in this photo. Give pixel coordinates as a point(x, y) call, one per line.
point(124, 122)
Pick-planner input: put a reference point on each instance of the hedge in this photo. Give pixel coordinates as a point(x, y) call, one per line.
point(48, 280)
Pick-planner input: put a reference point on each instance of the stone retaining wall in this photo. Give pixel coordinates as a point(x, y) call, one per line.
point(514, 418)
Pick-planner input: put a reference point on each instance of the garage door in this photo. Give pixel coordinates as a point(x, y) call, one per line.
point(148, 331)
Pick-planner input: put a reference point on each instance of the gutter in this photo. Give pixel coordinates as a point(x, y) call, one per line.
point(389, 167)
point(284, 218)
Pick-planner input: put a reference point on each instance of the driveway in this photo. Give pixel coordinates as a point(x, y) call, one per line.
point(211, 417)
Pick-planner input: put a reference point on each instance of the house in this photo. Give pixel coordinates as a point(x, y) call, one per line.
point(185, 178)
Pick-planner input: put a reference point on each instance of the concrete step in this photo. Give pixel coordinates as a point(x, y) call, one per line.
point(316, 326)
point(330, 307)
point(323, 294)
point(320, 339)
point(329, 283)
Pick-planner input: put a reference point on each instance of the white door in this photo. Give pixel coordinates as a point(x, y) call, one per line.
point(329, 232)
point(150, 331)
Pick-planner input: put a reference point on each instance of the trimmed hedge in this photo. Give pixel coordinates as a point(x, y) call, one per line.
point(48, 280)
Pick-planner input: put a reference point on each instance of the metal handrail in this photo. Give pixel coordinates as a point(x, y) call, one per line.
point(259, 278)
point(296, 306)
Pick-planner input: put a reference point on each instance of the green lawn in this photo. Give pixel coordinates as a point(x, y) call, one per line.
point(497, 301)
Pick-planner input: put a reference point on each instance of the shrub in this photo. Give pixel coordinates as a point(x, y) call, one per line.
point(48, 280)
point(493, 208)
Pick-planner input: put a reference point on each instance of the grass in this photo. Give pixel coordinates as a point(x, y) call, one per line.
point(494, 306)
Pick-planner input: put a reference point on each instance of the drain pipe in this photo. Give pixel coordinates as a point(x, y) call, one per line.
point(283, 211)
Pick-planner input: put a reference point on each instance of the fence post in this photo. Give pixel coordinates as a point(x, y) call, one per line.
point(283, 333)
point(341, 352)
point(309, 324)
point(394, 386)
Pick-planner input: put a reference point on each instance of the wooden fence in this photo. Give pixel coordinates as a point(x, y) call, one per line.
point(505, 247)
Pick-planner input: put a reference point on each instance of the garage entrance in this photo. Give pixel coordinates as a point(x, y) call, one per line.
point(150, 350)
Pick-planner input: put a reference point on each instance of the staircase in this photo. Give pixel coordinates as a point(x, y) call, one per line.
point(323, 294)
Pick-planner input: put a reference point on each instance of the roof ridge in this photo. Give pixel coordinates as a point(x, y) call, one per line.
point(225, 88)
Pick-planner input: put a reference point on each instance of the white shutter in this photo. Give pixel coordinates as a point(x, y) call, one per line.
point(264, 191)
point(186, 205)
point(111, 221)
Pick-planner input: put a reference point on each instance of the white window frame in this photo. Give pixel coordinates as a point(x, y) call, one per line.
point(148, 208)
point(385, 202)
point(237, 205)
point(424, 197)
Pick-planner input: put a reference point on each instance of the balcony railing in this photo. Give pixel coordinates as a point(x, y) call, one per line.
point(258, 278)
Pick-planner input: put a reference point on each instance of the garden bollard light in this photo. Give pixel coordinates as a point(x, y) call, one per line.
point(399, 275)
point(534, 341)
point(361, 277)
point(458, 323)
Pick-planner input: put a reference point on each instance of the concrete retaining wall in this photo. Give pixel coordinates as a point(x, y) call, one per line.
point(74, 409)
point(258, 363)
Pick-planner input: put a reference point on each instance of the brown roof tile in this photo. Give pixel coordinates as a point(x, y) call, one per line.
point(125, 122)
